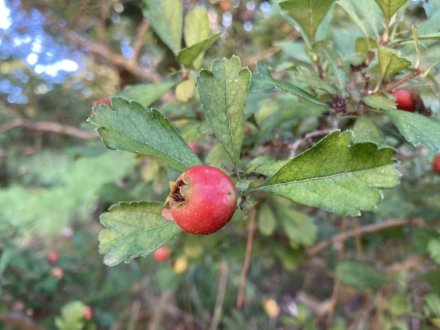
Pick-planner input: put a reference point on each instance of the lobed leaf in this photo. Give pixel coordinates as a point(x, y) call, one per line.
point(390, 7)
point(336, 176)
point(131, 127)
point(390, 63)
point(223, 92)
point(132, 230)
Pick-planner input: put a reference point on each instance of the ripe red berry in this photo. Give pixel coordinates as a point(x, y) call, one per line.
point(405, 99)
point(436, 164)
point(52, 257)
point(88, 313)
point(202, 200)
point(162, 253)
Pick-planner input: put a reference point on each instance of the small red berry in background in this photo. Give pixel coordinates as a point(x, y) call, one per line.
point(52, 257)
point(194, 147)
point(162, 253)
point(404, 100)
point(202, 200)
point(57, 272)
point(105, 100)
point(88, 313)
point(225, 5)
point(436, 164)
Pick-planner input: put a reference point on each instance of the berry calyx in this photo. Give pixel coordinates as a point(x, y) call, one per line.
point(436, 164)
point(162, 253)
point(202, 200)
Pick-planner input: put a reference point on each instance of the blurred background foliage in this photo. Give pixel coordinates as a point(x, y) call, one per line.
point(59, 57)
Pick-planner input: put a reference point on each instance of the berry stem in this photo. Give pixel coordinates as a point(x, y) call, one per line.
point(247, 259)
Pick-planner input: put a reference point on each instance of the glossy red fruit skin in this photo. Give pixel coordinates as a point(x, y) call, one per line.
point(209, 200)
point(162, 253)
point(88, 313)
point(436, 164)
point(404, 100)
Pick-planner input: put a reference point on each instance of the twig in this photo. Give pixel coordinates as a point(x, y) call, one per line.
point(221, 289)
point(98, 49)
point(20, 321)
point(247, 260)
point(139, 40)
point(390, 87)
point(160, 310)
point(362, 230)
point(47, 126)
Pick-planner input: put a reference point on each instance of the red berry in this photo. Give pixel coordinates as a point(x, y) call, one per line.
point(57, 272)
point(88, 313)
point(405, 99)
point(436, 164)
point(202, 200)
point(194, 147)
point(52, 257)
point(105, 100)
point(225, 5)
point(162, 253)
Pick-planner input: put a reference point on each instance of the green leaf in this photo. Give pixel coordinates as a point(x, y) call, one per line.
point(336, 176)
point(432, 307)
point(265, 165)
point(358, 275)
point(417, 129)
point(326, 52)
point(189, 56)
point(390, 7)
point(166, 18)
point(390, 63)
point(223, 92)
point(133, 230)
point(145, 94)
point(263, 80)
point(131, 127)
point(72, 316)
point(196, 30)
point(299, 226)
point(363, 15)
point(307, 13)
point(365, 130)
point(434, 250)
point(266, 220)
point(379, 102)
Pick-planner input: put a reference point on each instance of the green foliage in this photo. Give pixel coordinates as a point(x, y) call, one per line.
point(166, 18)
point(223, 92)
point(133, 229)
point(72, 317)
point(147, 132)
point(359, 275)
point(192, 55)
point(145, 94)
point(390, 7)
point(390, 63)
point(343, 180)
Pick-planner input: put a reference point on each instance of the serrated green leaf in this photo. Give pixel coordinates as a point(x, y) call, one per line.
point(133, 230)
point(390, 63)
point(365, 130)
point(390, 7)
point(307, 13)
point(262, 80)
point(166, 18)
point(189, 56)
point(336, 176)
point(379, 102)
point(265, 165)
point(359, 275)
point(223, 92)
point(434, 250)
point(266, 220)
point(417, 129)
point(131, 127)
point(363, 45)
point(361, 15)
point(196, 30)
point(145, 94)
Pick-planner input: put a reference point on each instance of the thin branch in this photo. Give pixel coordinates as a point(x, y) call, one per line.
point(50, 127)
point(139, 40)
point(247, 259)
point(98, 49)
point(362, 230)
point(408, 77)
